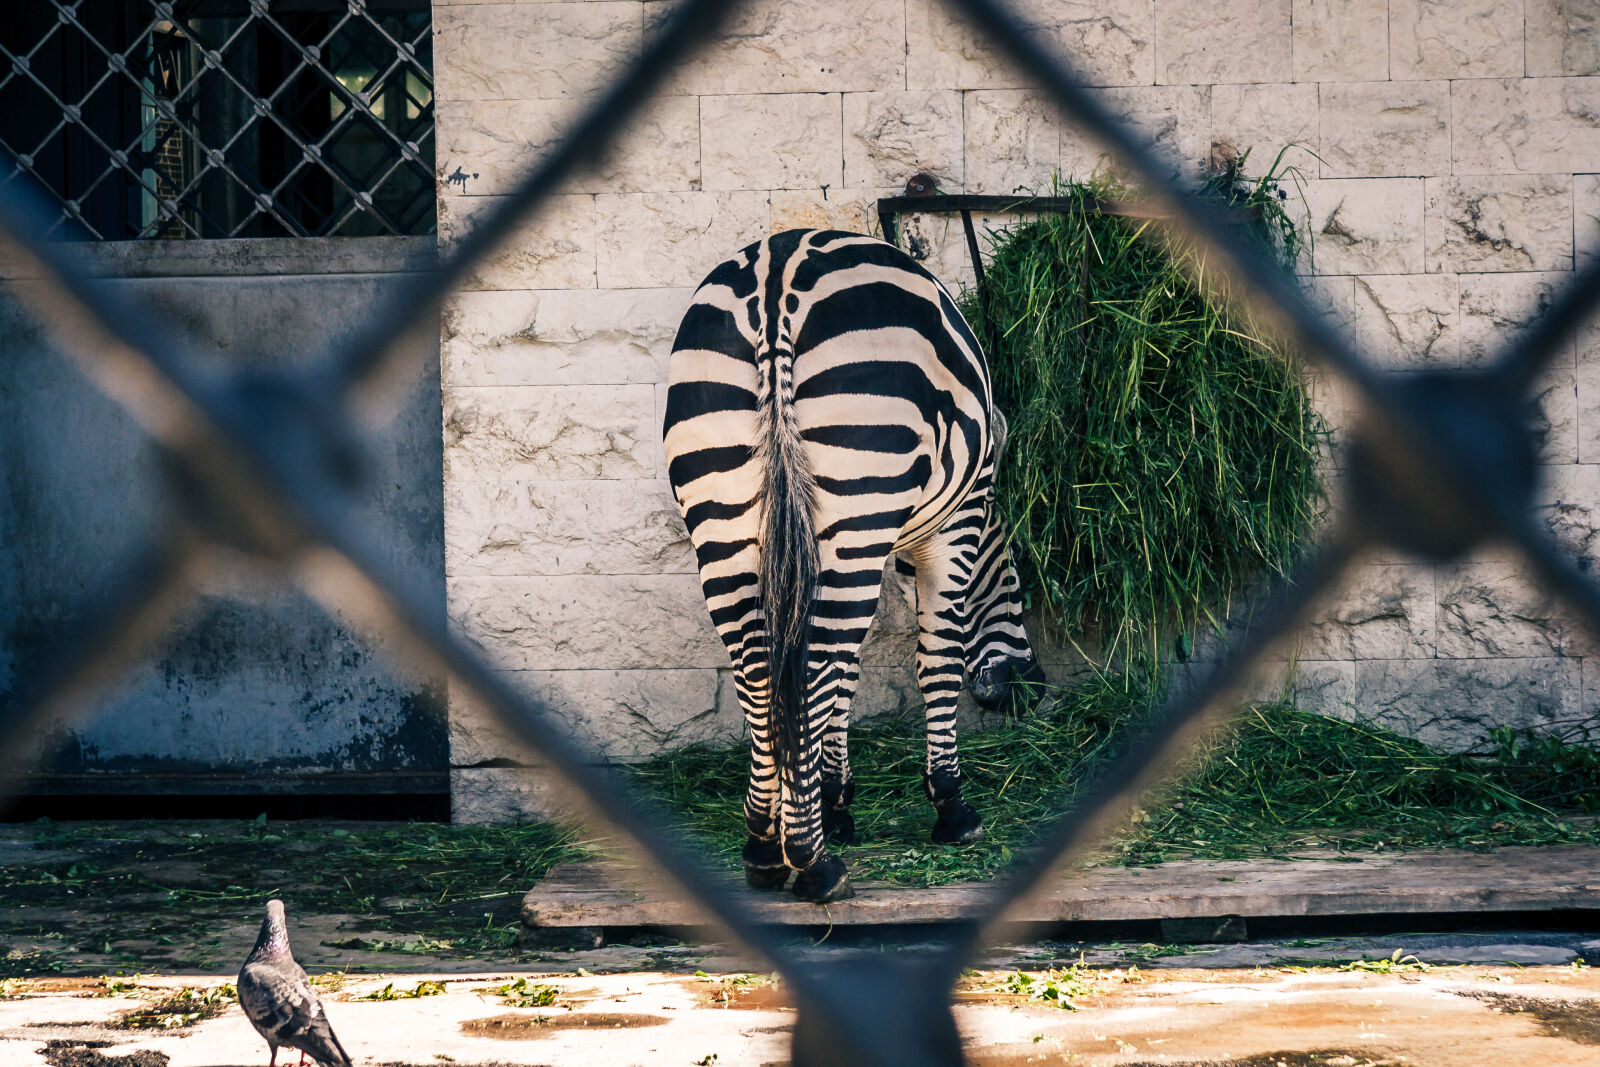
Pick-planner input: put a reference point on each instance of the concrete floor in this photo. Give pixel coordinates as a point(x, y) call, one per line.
point(1266, 1015)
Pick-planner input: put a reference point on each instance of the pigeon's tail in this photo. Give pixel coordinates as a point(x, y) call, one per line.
point(320, 1043)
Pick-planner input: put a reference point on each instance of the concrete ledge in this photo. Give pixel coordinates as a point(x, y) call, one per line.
point(1522, 879)
point(240, 257)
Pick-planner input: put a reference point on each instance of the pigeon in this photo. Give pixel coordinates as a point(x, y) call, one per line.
point(279, 1000)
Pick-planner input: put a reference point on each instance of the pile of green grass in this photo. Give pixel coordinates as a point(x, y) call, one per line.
point(1163, 452)
point(1282, 780)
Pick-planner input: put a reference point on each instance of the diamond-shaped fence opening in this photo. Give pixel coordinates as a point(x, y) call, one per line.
point(149, 119)
point(1440, 463)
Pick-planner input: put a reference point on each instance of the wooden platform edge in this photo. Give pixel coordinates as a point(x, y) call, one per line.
point(1518, 879)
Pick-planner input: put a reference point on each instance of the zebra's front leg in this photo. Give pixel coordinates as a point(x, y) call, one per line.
point(944, 568)
point(838, 787)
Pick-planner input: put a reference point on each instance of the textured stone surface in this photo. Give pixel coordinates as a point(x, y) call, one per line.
point(1383, 129)
point(587, 621)
point(555, 250)
point(1586, 216)
point(1453, 703)
point(600, 527)
point(670, 239)
point(1500, 223)
point(1206, 41)
point(560, 336)
point(486, 145)
point(1174, 121)
point(492, 796)
point(1569, 504)
point(1491, 611)
point(1455, 39)
point(1382, 611)
point(1012, 141)
point(1337, 40)
point(1496, 308)
point(617, 715)
point(544, 432)
point(1554, 417)
point(1111, 43)
point(771, 141)
point(1325, 687)
point(533, 51)
point(1371, 226)
point(888, 137)
point(1409, 320)
point(1526, 126)
point(1562, 37)
point(773, 46)
point(1264, 120)
point(1587, 381)
point(855, 210)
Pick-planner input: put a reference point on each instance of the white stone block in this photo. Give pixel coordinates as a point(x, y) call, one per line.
point(670, 239)
point(1526, 126)
point(1569, 505)
point(1205, 41)
point(1108, 43)
point(1366, 226)
point(1265, 120)
point(1554, 417)
point(1385, 129)
point(1455, 39)
point(1381, 611)
point(533, 51)
point(531, 433)
point(528, 528)
point(1587, 380)
point(553, 250)
point(1454, 703)
point(1586, 216)
point(1496, 308)
point(499, 796)
point(1562, 37)
point(1500, 223)
point(890, 136)
point(485, 146)
point(852, 210)
point(773, 46)
point(560, 336)
point(587, 621)
point(1173, 121)
point(771, 141)
point(1492, 611)
point(1012, 141)
point(617, 716)
point(1327, 688)
point(1341, 40)
point(1409, 321)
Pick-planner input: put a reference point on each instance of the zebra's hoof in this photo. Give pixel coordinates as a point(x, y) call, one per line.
point(824, 881)
point(838, 825)
point(765, 877)
point(958, 824)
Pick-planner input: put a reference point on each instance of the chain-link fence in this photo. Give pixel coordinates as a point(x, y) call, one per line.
point(266, 467)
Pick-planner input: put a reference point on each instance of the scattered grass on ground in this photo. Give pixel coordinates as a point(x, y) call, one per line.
point(1282, 780)
point(155, 883)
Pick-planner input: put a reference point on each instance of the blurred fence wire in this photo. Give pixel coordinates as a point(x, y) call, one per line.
point(265, 467)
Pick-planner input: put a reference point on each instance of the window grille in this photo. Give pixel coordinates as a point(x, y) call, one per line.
point(222, 118)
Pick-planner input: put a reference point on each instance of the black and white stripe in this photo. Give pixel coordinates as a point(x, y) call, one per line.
point(828, 407)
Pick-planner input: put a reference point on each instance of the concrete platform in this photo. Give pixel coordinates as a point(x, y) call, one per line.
point(613, 894)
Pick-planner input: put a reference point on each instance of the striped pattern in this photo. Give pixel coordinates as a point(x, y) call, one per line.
point(828, 407)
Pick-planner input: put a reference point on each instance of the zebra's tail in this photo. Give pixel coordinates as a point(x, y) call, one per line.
point(789, 567)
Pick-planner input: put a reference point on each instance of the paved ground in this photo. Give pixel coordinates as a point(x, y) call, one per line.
point(1252, 1005)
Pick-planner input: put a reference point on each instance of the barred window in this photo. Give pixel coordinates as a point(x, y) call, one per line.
point(222, 118)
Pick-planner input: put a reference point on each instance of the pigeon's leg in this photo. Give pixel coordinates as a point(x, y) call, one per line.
point(272, 1061)
point(302, 1058)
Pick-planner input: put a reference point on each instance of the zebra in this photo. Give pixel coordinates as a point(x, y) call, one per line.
point(828, 407)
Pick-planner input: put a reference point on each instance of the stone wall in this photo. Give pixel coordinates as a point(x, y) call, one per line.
point(1452, 165)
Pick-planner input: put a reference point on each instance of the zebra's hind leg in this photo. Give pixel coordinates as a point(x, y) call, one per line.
point(764, 867)
point(838, 788)
point(944, 567)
